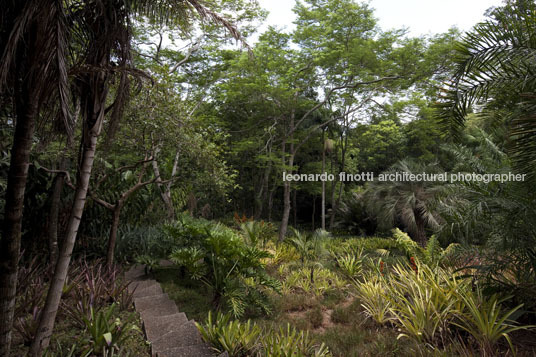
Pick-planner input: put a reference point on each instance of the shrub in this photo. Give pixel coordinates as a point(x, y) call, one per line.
point(257, 232)
point(373, 296)
point(247, 339)
point(93, 285)
point(233, 270)
point(231, 336)
point(486, 321)
point(300, 281)
point(351, 265)
point(106, 331)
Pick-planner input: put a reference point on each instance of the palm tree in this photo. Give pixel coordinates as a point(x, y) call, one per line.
point(412, 203)
point(311, 247)
point(33, 72)
point(497, 60)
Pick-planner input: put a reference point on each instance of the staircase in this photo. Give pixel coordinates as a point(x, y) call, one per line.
point(170, 332)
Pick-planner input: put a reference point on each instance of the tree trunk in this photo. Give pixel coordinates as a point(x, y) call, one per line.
point(165, 188)
point(271, 201)
point(294, 207)
point(420, 233)
point(286, 203)
point(323, 217)
point(27, 110)
point(95, 115)
point(286, 211)
point(333, 189)
point(116, 213)
point(314, 212)
point(53, 219)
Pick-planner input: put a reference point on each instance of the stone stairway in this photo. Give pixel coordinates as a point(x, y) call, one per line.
point(170, 332)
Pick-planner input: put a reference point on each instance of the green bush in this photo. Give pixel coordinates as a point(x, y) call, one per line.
point(433, 305)
point(231, 336)
point(247, 339)
point(106, 331)
point(232, 269)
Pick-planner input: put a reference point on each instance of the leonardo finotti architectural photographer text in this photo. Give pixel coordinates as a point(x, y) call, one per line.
point(407, 177)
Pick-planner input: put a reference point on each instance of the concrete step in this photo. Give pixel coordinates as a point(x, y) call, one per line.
point(185, 335)
point(151, 290)
point(166, 307)
point(135, 272)
point(155, 331)
point(201, 350)
point(144, 303)
point(141, 284)
point(161, 322)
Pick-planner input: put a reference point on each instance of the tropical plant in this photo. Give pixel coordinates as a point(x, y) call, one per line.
point(248, 339)
point(231, 336)
point(106, 331)
point(403, 200)
point(486, 321)
point(311, 247)
point(431, 254)
point(424, 302)
point(233, 270)
point(149, 263)
point(496, 61)
point(288, 342)
point(350, 264)
point(372, 294)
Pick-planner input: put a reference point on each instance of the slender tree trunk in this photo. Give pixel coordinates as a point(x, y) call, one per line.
point(116, 213)
point(323, 217)
point(286, 185)
point(333, 189)
point(165, 188)
point(314, 212)
point(95, 115)
point(27, 110)
point(271, 201)
point(294, 207)
point(53, 218)
point(286, 211)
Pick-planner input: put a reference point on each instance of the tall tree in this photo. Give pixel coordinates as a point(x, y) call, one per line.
point(34, 37)
point(107, 53)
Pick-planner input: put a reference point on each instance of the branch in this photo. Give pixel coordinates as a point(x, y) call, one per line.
point(100, 202)
point(123, 168)
point(191, 50)
point(333, 90)
point(68, 181)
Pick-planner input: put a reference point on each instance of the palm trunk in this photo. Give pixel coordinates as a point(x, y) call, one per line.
point(27, 110)
point(420, 233)
point(53, 220)
point(48, 316)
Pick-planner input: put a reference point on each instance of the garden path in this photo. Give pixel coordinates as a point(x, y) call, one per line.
point(169, 331)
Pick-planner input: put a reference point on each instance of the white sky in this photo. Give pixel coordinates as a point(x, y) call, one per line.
point(420, 16)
